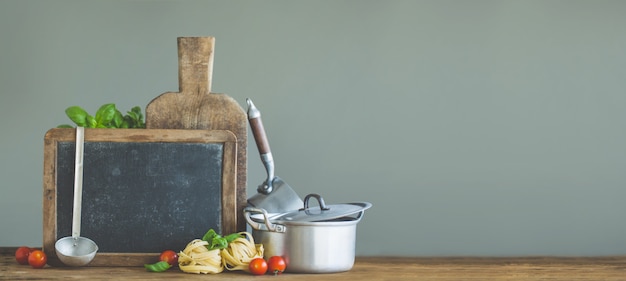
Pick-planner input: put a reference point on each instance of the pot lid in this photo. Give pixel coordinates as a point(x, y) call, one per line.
point(322, 212)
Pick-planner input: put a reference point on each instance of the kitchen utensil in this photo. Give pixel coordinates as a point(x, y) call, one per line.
point(274, 195)
point(318, 239)
point(76, 250)
point(195, 107)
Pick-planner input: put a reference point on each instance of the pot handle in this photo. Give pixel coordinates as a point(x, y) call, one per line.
point(267, 225)
point(320, 201)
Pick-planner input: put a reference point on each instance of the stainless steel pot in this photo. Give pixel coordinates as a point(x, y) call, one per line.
point(319, 239)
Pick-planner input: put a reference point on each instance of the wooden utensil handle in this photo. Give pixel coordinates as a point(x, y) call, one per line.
point(256, 125)
point(195, 64)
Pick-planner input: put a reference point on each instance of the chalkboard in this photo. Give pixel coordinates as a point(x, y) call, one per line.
point(144, 190)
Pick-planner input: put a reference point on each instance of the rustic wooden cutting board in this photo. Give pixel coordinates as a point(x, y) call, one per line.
point(195, 107)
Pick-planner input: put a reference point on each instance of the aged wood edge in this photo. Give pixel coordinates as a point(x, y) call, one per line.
point(53, 136)
point(496, 260)
point(49, 195)
point(114, 260)
point(229, 188)
point(195, 64)
point(124, 259)
point(427, 260)
point(143, 135)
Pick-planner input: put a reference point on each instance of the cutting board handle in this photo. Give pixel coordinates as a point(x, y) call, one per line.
point(195, 64)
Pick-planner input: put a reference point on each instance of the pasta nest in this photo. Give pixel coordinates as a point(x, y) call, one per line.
point(197, 258)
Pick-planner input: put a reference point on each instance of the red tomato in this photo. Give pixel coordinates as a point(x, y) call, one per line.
point(37, 259)
point(170, 257)
point(21, 255)
point(258, 266)
point(276, 265)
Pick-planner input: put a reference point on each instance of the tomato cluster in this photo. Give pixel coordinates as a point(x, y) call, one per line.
point(34, 257)
point(275, 265)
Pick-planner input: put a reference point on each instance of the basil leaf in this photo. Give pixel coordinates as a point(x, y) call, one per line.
point(77, 114)
point(118, 119)
point(158, 267)
point(231, 237)
point(139, 116)
point(215, 240)
point(128, 121)
point(91, 122)
point(208, 236)
point(135, 118)
point(105, 115)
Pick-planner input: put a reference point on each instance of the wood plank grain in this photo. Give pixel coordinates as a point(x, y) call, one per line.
point(367, 268)
point(229, 200)
point(194, 106)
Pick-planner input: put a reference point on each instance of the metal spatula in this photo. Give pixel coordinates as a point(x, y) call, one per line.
point(274, 195)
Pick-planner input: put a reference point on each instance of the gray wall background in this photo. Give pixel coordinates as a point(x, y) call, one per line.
point(474, 127)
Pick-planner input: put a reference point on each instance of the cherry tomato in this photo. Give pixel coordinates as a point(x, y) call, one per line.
point(170, 257)
point(21, 255)
point(37, 259)
point(276, 265)
point(258, 266)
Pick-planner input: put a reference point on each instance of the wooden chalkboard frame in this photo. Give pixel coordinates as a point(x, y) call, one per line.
point(229, 219)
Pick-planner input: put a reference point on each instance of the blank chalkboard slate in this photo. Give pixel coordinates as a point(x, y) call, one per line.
point(144, 190)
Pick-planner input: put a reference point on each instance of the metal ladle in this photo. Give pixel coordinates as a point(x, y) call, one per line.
point(75, 250)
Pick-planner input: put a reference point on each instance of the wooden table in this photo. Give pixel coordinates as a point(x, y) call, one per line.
point(365, 268)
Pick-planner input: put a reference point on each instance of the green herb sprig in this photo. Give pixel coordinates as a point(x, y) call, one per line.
point(216, 241)
point(157, 267)
point(107, 116)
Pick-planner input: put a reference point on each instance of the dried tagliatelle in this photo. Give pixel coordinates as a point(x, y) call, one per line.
point(239, 252)
point(214, 252)
point(197, 258)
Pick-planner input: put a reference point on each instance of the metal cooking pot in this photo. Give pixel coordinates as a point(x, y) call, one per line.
point(319, 239)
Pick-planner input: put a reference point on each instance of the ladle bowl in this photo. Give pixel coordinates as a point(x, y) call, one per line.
point(75, 251)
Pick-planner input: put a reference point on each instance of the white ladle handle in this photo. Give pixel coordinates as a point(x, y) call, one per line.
point(78, 181)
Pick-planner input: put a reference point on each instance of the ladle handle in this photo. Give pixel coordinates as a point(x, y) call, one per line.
point(78, 181)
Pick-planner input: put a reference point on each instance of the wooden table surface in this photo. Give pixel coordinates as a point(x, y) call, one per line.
point(365, 268)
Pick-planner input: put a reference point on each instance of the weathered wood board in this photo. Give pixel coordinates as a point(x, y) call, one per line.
point(144, 190)
point(195, 107)
point(605, 268)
